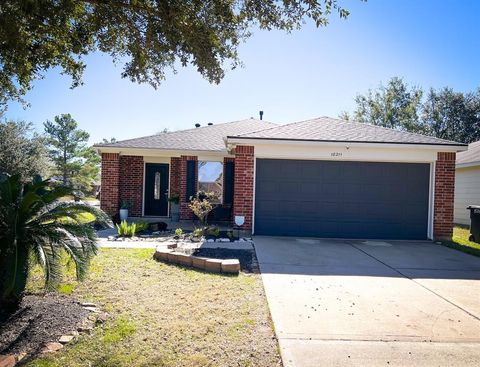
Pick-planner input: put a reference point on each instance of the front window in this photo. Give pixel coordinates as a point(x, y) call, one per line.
point(210, 179)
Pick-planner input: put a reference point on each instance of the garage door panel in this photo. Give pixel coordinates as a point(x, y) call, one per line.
point(342, 199)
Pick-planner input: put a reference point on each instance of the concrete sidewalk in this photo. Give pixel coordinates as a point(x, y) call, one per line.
point(353, 303)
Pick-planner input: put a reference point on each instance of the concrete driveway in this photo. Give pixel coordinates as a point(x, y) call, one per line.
point(371, 303)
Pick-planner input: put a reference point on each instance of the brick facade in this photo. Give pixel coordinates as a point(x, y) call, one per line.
point(131, 183)
point(185, 212)
point(175, 179)
point(243, 184)
point(444, 196)
point(110, 181)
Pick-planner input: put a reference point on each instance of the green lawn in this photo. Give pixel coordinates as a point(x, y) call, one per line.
point(164, 315)
point(460, 242)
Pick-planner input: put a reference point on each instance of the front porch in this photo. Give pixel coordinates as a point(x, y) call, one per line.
point(147, 185)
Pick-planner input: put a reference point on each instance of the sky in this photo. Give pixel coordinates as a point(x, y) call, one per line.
point(291, 77)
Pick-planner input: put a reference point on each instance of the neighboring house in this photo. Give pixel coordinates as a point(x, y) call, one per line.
point(467, 182)
point(322, 178)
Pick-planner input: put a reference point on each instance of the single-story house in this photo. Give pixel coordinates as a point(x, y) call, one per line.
point(318, 178)
point(467, 182)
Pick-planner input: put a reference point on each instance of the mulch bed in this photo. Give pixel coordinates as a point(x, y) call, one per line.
point(41, 319)
point(247, 258)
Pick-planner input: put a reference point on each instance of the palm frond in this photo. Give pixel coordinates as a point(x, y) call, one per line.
point(35, 224)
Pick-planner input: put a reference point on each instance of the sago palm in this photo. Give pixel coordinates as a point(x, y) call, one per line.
point(35, 227)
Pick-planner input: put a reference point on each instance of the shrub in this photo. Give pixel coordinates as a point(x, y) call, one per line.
point(202, 205)
point(141, 225)
point(125, 229)
point(212, 231)
point(178, 232)
point(197, 232)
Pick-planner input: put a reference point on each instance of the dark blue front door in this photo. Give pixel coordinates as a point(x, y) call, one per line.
point(156, 189)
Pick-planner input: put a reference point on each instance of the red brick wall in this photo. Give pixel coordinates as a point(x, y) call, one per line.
point(185, 212)
point(131, 183)
point(243, 195)
point(444, 195)
point(110, 180)
point(175, 163)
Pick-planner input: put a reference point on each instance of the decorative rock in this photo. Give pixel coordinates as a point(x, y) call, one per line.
point(214, 265)
point(198, 262)
point(172, 245)
point(85, 329)
point(223, 240)
point(111, 238)
point(184, 259)
point(88, 304)
point(156, 233)
point(102, 318)
point(65, 339)
point(52, 347)
point(21, 356)
point(7, 361)
point(210, 240)
point(92, 309)
point(231, 266)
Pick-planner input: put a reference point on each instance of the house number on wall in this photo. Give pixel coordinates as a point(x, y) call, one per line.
point(336, 154)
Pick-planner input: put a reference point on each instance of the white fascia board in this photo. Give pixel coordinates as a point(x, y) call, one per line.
point(346, 153)
point(232, 141)
point(145, 152)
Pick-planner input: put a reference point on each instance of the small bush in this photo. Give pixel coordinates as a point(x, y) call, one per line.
point(178, 232)
point(125, 229)
point(202, 205)
point(197, 232)
point(141, 225)
point(212, 231)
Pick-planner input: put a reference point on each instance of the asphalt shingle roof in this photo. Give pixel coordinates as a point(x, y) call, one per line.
point(472, 155)
point(329, 129)
point(208, 138)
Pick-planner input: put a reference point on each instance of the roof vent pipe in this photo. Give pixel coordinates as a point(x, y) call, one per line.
point(197, 125)
point(261, 115)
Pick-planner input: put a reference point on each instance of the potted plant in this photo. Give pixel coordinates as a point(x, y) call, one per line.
point(174, 207)
point(124, 205)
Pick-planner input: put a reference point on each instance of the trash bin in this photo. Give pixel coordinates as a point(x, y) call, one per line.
point(474, 223)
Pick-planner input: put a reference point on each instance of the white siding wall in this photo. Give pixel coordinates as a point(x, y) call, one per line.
point(467, 192)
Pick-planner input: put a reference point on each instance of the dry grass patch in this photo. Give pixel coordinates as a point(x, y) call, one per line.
point(164, 315)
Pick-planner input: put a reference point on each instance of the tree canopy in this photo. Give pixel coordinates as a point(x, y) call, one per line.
point(69, 152)
point(395, 105)
point(22, 152)
point(443, 113)
point(148, 37)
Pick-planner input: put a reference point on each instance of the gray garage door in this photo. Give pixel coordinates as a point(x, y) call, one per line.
point(341, 199)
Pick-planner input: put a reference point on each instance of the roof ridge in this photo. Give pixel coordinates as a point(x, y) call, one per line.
point(220, 124)
point(180, 131)
point(386, 128)
point(273, 127)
